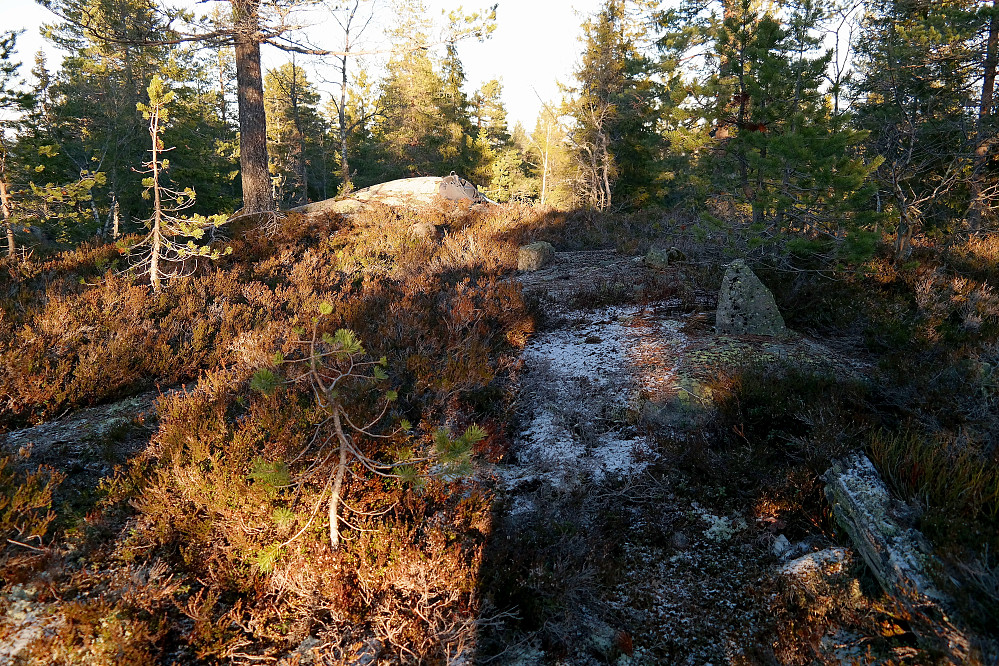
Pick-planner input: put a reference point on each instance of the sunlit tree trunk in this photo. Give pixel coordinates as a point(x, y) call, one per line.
point(5, 203)
point(257, 195)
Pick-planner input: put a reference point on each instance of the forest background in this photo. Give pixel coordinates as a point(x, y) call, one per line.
point(833, 120)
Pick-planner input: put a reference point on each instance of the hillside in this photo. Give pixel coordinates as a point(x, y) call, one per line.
point(189, 524)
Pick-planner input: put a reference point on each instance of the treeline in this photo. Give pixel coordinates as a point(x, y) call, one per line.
point(832, 120)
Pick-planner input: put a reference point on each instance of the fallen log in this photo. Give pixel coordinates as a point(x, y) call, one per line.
point(881, 529)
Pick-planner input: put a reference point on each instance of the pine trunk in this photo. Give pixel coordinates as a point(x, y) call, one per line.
point(8, 214)
point(342, 120)
point(984, 113)
point(257, 195)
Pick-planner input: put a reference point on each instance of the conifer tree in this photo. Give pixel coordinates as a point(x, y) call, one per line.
point(615, 111)
point(298, 138)
point(774, 145)
point(163, 253)
point(10, 98)
point(926, 78)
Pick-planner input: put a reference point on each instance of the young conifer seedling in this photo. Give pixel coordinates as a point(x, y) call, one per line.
point(334, 365)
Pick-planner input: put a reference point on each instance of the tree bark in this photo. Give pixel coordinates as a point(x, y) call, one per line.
point(984, 113)
point(257, 194)
point(6, 206)
point(342, 120)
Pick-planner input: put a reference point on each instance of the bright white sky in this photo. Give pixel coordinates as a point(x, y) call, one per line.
point(534, 47)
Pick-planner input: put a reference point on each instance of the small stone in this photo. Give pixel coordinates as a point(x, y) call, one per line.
point(425, 231)
point(781, 545)
point(680, 541)
point(659, 258)
point(535, 256)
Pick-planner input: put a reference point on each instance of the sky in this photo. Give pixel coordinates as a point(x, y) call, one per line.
point(535, 46)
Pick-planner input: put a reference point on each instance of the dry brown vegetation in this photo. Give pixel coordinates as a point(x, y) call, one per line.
point(210, 545)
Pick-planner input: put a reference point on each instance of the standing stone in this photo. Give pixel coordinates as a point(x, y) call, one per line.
point(535, 256)
point(745, 305)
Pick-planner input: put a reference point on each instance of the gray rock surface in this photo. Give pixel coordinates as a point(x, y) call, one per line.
point(82, 427)
point(535, 256)
point(881, 529)
point(745, 305)
point(659, 258)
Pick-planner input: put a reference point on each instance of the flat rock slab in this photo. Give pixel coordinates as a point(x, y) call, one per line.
point(402, 192)
point(578, 384)
point(405, 192)
point(82, 427)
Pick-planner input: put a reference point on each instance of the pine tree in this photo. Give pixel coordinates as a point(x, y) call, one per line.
point(298, 138)
point(775, 147)
point(925, 69)
point(163, 255)
point(618, 145)
point(11, 97)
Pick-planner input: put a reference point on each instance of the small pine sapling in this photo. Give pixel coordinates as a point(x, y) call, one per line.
point(162, 245)
point(334, 365)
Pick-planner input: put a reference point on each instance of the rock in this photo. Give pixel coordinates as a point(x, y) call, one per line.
point(820, 564)
point(659, 258)
point(427, 231)
point(881, 529)
point(781, 546)
point(84, 426)
point(535, 256)
point(745, 305)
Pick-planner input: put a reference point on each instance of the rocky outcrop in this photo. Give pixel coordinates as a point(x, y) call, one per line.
point(881, 529)
point(535, 256)
point(82, 427)
point(745, 305)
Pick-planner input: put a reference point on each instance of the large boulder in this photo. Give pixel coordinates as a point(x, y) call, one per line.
point(535, 256)
point(745, 305)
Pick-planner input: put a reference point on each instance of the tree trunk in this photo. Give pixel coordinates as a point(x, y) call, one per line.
point(154, 256)
point(342, 119)
point(115, 217)
point(257, 195)
point(6, 206)
point(984, 113)
point(8, 214)
point(544, 168)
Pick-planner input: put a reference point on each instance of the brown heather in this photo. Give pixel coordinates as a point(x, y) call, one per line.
point(200, 549)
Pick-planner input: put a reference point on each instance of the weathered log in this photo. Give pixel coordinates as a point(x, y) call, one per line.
point(881, 530)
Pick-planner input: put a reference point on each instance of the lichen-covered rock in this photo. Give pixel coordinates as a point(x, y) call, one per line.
point(535, 256)
point(881, 529)
point(81, 427)
point(745, 305)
